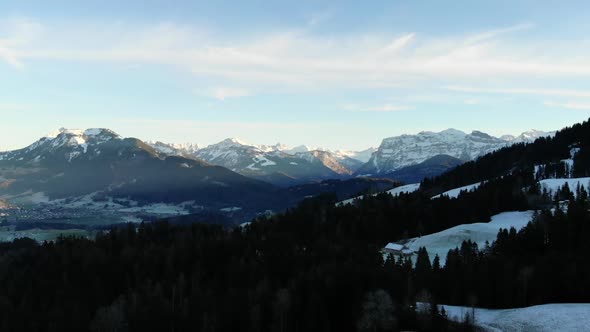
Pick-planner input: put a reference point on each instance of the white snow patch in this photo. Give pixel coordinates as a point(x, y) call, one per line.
point(454, 193)
point(408, 188)
point(552, 185)
point(92, 132)
point(132, 219)
point(264, 161)
point(158, 208)
point(540, 318)
point(230, 209)
point(440, 243)
point(38, 198)
point(574, 152)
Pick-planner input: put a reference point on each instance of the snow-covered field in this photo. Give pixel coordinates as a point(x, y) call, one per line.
point(41, 235)
point(408, 188)
point(230, 209)
point(158, 208)
point(552, 185)
point(440, 243)
point(454, 193)
point(541, 318)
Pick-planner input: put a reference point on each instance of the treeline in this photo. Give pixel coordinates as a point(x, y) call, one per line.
point(384, 218)
point(546, 262)
point(290, 273)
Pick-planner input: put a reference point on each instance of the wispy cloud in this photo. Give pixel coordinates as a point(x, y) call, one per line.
point(521, 91)
point(494, 33)
point(297, 58)
point(16, 32)
point(569, 105)
point(223, 93)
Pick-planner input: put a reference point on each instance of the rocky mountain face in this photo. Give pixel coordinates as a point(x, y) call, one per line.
point(277, 164)
point(429, 168)
point(398, 152)
point(187, 150)
point(342, 165)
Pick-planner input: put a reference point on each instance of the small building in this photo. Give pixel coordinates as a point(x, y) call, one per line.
point(397, 249)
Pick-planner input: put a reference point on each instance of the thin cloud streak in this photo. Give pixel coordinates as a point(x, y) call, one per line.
point(296, 58)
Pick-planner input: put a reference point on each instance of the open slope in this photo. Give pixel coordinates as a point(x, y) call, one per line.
point(440, 243)
point(405, 189)
point(541, 318)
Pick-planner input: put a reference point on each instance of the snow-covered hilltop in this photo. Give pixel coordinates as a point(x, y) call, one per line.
point(398, 152)
point(64, 143)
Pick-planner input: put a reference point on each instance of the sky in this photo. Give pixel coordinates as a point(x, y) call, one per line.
point(339, 75)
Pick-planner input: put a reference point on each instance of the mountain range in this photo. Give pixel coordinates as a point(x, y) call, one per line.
point(100, 170)
point(407, 158)
point(396, 153)
point(276, 164)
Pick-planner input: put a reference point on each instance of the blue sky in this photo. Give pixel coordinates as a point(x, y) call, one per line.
point(340, 75)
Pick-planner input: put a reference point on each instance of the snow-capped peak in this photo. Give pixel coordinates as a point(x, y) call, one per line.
point(174, 149)
point(100, 133)
point(298, 149)
point(71, 143)
point(233, 142)
point(363, 156)
point(453, 132)
point(531, 135)
point(273, 148)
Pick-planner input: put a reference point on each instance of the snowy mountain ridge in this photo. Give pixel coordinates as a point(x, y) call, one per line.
point(278, 163)
point(397, 152)
point(70, 143)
